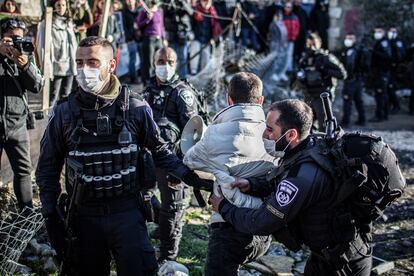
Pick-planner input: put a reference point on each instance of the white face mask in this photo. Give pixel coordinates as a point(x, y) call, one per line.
point(89, 79)
point(164, 72)
point(378, 35)
point(392, 35)
point(348, 43)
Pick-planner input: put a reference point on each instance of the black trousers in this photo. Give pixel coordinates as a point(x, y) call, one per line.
point(228, 249)
point(174, 201)
point(315, 102)
point(411, 104)
point(17, 147)
point(359, 265)
point(381, 96)
point(121, 235)
point(394, 103)
point(61, 87)
point(150, 44)
point(352, 92)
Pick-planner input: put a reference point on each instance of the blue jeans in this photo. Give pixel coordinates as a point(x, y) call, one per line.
point(182, 58)
point(249, 33)
point(132, 50)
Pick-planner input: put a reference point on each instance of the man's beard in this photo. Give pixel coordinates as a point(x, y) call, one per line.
point(282, 144)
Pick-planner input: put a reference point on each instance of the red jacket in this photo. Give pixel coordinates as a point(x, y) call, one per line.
point(292, 25)
point(215, 25)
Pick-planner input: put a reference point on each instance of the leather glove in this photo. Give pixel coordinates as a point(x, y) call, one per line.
point(192, 179)
point(56, 232)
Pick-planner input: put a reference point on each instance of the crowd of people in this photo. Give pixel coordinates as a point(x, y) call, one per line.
point(116, 147)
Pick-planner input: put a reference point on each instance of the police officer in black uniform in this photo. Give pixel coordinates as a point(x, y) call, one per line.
point(381, 65)
point(100, 133)
point(352, 59)
point(18, 74)
point(173, 102)
point(398, 56)
point(318, 71)
point(177, 22)
point(410, 59)
point(301, 195)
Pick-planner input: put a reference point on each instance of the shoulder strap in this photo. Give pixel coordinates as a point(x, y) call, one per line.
point(169, 91)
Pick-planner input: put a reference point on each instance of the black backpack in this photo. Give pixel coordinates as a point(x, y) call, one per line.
point(366, 174)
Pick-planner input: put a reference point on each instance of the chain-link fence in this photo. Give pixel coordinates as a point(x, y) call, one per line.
point(228, 58)
point(17, 228)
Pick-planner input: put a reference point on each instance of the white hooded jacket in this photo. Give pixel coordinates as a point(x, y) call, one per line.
point(232, 146)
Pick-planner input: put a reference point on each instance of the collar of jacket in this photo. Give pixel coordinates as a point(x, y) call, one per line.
point(105, 98)
point(240, 112)
point(60, 22)
point(301, 146)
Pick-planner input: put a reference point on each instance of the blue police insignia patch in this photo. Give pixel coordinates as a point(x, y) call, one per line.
point(187, 97)
point(286, 192)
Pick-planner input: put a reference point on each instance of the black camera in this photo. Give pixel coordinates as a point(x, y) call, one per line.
point(103, 125)
point(23, 44)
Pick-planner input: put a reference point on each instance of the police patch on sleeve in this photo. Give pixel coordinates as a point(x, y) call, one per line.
point(187, 97)
point(286, 192)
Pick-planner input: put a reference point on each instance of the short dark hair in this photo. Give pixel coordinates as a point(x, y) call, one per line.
point(245, 87)
point(97, 41)
point(294, 114)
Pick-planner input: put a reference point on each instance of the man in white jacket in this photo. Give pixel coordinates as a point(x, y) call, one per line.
point(232, 147)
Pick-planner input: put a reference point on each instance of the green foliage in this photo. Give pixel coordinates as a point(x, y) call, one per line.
point(193, 247)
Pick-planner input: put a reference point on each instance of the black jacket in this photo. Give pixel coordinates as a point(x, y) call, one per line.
point(303, 30)
point(297, 204)
point(56, 142)
point(14, 83)
point(177, 22)
point(398, 53)
point(129, 18)
point(249, 7)
point(320, 68)
point(381, 58)
point(353, 60)
point(179, 98)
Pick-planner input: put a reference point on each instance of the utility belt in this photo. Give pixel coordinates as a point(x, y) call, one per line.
point(340, 255)
point(108, 174)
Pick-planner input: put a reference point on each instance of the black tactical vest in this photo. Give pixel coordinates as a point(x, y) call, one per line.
point(108, 169)
point(313, 226)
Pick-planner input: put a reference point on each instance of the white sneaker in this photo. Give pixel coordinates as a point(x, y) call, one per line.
point(275, 77)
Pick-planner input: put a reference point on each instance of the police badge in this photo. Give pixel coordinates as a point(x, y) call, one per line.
point(187, 97)
point(286, 192)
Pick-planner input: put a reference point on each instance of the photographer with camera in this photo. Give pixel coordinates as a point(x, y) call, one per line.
point(318, 71)
point(18, 74)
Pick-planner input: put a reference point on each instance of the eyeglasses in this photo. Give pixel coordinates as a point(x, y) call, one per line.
point(13, 24)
